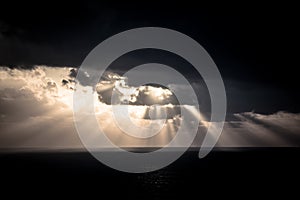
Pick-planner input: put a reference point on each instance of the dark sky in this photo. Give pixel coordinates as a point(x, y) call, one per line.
point(254, 46)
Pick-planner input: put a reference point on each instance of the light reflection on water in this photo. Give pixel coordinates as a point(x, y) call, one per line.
point(157, 183)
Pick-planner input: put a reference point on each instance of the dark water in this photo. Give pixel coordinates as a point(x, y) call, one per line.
point(246, 172)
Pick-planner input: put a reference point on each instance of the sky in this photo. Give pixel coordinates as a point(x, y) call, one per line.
point(42, 46)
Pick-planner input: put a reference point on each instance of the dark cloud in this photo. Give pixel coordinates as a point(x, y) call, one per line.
point(64, 82)
point(251, 44)
point(260, 130)
point(282, 125)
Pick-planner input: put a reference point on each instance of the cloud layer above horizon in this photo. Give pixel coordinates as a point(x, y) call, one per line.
point(36, 112)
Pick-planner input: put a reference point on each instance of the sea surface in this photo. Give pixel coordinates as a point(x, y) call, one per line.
point(226, 172)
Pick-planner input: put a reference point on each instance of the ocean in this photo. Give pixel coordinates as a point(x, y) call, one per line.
point(248, 172)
